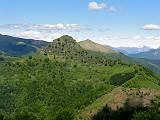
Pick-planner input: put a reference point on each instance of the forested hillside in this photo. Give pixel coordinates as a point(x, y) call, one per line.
point(120, 56)
point(18, 46)
point(63, 80)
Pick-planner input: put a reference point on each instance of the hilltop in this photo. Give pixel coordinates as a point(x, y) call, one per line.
point(68, 48)
point(92, 46)
point(65, 45)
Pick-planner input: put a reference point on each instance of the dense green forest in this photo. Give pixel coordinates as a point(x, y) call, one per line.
point(63, 79)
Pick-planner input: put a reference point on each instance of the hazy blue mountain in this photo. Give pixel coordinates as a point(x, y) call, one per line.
point(18, 46)
point(152, 54)
point(157, 62)
point(133, 50)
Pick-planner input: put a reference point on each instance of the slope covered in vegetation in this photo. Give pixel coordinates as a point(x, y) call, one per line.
point(18, 46)
point(119, 56)
point(90, 45)
point(62, 80)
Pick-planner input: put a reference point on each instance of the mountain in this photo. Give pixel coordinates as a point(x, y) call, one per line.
point(90, 45)
point(84, 50)
point(152, 54)
point(18, 46)
point(65, 45)
point(109, 53)
point(68, 48)
point(157, 62)
point(132, 50)
point(120, 56)
point(64, 82)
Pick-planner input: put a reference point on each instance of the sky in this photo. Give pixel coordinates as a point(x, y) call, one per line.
point(131, 23)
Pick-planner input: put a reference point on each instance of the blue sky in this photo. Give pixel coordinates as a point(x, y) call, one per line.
point(111, 22)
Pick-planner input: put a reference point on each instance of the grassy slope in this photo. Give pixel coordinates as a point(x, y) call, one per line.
point(117, 98)
point(90, 45)
point(61, 82)
point(64, 83)
point(120, 56)
point(142, 87)
point(148, 81)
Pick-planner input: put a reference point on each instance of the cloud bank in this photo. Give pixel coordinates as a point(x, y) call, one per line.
point(151, 27)
point(46, 32)
point(131, 41)
point(46, 27)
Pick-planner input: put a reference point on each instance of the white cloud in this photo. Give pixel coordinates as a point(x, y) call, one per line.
point(38, 35)
point(3, 33)
point(56, 26)
point(137, 37)
point(46, 32)
point(131, 41)
point(96, 6)
point(101, 6)
point(151, 27)
point(46, 27)
point(30, 34)
point(149, 37)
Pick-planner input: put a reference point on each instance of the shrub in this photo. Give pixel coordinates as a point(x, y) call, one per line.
point(64, 114)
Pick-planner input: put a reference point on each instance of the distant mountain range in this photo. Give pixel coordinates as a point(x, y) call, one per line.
point(143, 54)
point(72, 48)
point(132, 50)
point(98, 50)
point(151, 55)
point(18, 46)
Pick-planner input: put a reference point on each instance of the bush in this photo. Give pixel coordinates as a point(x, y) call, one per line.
point(64, 114)
point(25, 116)
point(120, 78)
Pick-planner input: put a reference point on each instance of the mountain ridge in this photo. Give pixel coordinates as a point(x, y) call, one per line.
point(90, 45)
point(15, 46)
point(151, 55)
point(133, 50)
